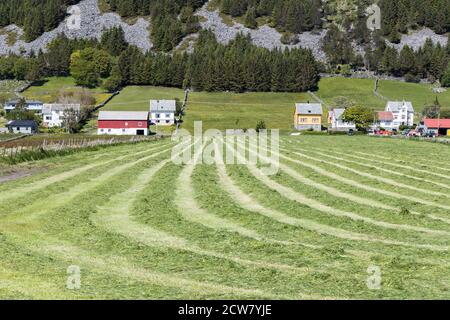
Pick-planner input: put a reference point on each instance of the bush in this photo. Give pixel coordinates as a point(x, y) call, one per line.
point(289, 38)
point(260, 126)
point(412, 78)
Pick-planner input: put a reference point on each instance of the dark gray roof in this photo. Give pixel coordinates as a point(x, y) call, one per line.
point(22, 123)
point(27, 102)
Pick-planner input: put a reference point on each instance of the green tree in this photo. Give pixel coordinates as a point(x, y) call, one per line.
point(361, 116)
point(250, 18)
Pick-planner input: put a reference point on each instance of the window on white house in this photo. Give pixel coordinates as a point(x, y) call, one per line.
point(158, 116)
point(167, 115)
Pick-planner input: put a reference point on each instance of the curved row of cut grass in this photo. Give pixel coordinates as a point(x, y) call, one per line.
point(140, 226)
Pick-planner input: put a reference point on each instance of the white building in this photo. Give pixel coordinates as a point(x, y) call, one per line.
point(30, 105)
point(127, 123)
point(385, 120)
point(337, 124)
point(403, 112)
point(162, 112)
point(22, 126)
point(53, 114)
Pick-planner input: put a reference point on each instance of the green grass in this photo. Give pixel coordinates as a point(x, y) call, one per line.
point(142, 227)
point(361, 92)
point(50, 88)
point(419, 94)
point(217, 110)
point(228, 110)
point(137, 98)
point(242, 111)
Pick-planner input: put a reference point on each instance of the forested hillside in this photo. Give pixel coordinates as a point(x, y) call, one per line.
point(167, 28)
point(238, 65)
point(35, 16)
point(301, 15)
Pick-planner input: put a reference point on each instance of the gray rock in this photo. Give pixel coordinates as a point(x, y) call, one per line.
point(93, 23)
point(416, 39)
point(264, 36)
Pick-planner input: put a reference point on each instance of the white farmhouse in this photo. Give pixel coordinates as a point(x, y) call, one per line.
point(337, 124)
point(403, 112)
point(162, 112)
point(385, 120)
point(53, 114)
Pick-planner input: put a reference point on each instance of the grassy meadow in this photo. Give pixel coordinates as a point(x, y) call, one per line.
point(48, 90)
point(141, 227)
point(361, 92)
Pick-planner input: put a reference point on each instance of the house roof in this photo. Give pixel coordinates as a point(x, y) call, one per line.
point(437, 123)
point(338, 113)
point(163, 106)
point(22, 123)
point(48, 108)
point(395, 106)
point(123, 115)
point(14, 102)
point(385, 116)
point(309, 108)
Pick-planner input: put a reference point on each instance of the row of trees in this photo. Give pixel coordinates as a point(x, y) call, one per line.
point(239, 66)
point(288, 15)
point(111, 62)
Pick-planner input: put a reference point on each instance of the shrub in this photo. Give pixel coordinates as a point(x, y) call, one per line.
point(289, 38)
point(260, 126)
point(412, 78)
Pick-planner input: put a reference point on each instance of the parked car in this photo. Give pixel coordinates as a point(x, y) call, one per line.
point(406, 132)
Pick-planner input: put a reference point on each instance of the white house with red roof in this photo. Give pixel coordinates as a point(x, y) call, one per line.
point(438, 126)
point(385, 120)
point(132, 123)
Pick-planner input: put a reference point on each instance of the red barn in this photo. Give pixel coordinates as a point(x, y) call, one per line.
point(123, 123)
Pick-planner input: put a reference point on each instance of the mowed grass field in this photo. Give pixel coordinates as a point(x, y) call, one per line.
point(141, 227)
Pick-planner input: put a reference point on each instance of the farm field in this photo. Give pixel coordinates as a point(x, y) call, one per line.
point(228, 110)
point(50, 88)
point(361, 92)
point(142, 227)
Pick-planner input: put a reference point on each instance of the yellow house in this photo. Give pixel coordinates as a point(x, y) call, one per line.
point(308, 116)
